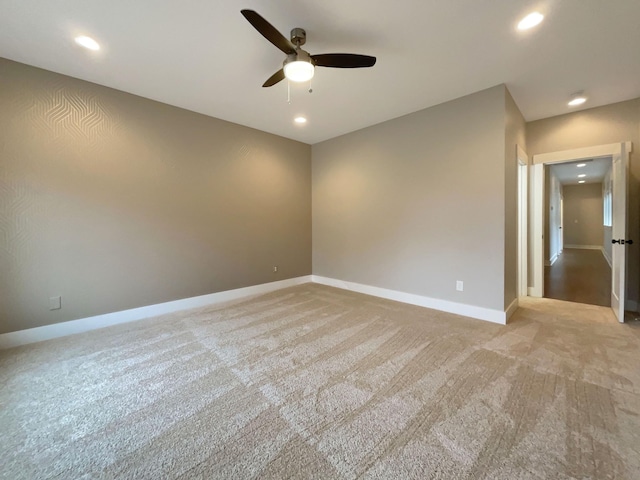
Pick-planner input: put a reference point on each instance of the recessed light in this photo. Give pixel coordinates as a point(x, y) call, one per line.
point(300, 120)
point(582, 175)
point(87, 42)
point(581, 181)
point(530, 21)
point(577, 99)
point(580, 165)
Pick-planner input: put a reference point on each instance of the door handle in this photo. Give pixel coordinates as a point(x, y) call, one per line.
point(622, 241)
point(616, 241)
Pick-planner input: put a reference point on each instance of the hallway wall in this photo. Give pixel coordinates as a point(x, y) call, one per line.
point(583, 216)
point(553, 195)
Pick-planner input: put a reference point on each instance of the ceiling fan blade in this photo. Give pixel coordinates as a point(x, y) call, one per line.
point(343, 60)
point(275, 78)
point(268, 31)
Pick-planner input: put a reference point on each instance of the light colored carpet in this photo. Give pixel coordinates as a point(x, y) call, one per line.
point(315, 382)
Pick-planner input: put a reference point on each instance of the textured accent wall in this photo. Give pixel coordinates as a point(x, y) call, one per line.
point(113, 201)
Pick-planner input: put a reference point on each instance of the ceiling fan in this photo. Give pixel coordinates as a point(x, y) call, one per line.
point(299, 66)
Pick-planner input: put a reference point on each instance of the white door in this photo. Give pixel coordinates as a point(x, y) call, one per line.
point(619, 231)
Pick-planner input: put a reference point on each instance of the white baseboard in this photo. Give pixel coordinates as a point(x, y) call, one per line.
point(511, 309)
point(606, 257)
point(481, 313)
point(584, 247)
point(534, 292)
point(47, 332)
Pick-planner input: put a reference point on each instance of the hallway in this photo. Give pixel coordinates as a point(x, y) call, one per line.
point(582, 276)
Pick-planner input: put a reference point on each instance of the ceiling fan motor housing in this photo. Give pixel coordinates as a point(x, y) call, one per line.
point(299, 56)
point(298, 36)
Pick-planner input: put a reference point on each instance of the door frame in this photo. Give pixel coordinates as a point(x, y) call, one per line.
point(537, 171)
point(523, 221)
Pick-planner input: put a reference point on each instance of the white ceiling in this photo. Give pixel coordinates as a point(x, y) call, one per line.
point(204, 56)
point(594, 171)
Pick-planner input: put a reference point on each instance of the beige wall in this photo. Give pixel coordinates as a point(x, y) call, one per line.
point(583, 215)
point(415, 203)
point(618, 122)
point(515, 129)
point(113, 201)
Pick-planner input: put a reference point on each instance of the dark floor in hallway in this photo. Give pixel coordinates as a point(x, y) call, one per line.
point(582, 276)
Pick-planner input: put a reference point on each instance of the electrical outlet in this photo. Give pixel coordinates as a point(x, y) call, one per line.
point(55, 303)
point(459, 285)
point(275, 269)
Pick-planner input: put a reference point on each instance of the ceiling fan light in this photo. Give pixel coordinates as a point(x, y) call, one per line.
point(299, 71)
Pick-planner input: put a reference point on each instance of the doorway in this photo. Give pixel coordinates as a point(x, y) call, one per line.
point(581, 272)
point(619, 153)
